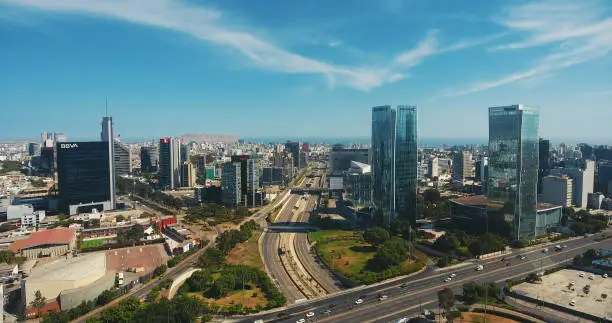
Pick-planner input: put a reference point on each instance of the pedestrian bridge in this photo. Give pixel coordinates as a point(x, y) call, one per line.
point(290, 227)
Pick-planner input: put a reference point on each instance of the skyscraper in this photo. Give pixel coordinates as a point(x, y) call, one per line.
point(394, 162)
point(462, 167)
point(544, 169)
point(294, 149)
point(148, 159)
point(169, 169)
point(231, 184)
point(122, 159)
point(249, 179)
point(84, 177)
point(108, 136)
point(513, 168)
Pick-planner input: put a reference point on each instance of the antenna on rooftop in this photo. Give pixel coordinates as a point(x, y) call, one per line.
point(107, 106)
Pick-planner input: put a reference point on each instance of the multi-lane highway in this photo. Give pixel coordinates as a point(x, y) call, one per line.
point(408, 296)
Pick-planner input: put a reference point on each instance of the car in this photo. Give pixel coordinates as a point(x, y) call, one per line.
point(572, 283)
point(326, 312)
point(564, 246)
point(447, 279)
point(572, 303)
point(545, 250)
point(402, 320)
point(383, 297)
point(310, 314)
point(404, 285)
point(479, 267)
point(591, 277)
point(581, 275)
point(522, 257)
point(358, 301)
point(453, 275)
point(604, 275)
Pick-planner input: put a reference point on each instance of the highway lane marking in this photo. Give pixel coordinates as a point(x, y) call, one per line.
point(456, 283)
point(400, 312)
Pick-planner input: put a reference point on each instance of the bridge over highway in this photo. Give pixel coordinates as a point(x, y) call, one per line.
point(312, 190)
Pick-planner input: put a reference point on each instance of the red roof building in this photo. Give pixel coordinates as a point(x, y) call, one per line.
point(48, 243)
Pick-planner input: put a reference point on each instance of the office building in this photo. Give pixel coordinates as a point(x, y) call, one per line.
point(47, 159)
point(169, 168)
point(557, 190)
point(294, 149)
point(188, 175)
point(33, 219)
point(604, 176)
point(107, 135)
point(148, 159)
point(595, 201)
point(513, 168)
point(394, 163)
point(272, 176)
point(462, 167)
point(481, 168)
point(85, 177)
point(59, 137)
point(33, 149)
point(358, 184)
point(46, 139)
point(231, 184)
point(432, 168)
point(123, 162)
point(545, 160)
point(249, 179)
point(340, 158)
point(583, 175)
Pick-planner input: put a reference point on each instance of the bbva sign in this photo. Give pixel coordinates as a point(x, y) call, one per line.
point(68, 146)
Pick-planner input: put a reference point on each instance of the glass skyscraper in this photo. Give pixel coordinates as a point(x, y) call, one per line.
point(513, 168)
point(394, 162)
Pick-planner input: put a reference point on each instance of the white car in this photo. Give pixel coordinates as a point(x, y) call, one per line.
point(453, 275)
point(383, 297)
point(402, 320)
point(446, 280)
point(591, 277)
point(522, 257)
point(572, 303)
point(604, 275)
point(310, 314)
point(479, 268)
point(581, 275)
point(572, 283)
point(359, 301)
point(300, 321)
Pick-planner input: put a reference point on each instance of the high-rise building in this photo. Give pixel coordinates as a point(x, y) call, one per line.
point(59, 137)
point(272, 176)
point(394, 162)
point(432, 168)
point(85, 176)
point(358, 184)
point(107, 136)
point(188, 174)
point(231, 184)
point(340, 157)
point(595, 201)
point(583, 176)
point(604, 176)
point(122, 156)
point(148, 159)
point(557, 190)
point(544, 168)
point(483, 175)
point(169, 169)
point(462, 167)
point(249, 173)
point(513, 168)
point(33, 149)
point(294, 149)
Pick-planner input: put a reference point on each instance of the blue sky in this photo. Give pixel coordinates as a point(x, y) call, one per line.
point(270, 68)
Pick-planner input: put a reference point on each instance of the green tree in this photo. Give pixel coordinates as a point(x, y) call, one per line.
point(160, 270)
point(133, 234)
point(431, 196)
point(105, 297)
point(38, 302)
point(376, 236)
point(6, 256)
point(392, 252)
point(120, 218)
point(446, 299)
point(533, 278)
point(212, 258)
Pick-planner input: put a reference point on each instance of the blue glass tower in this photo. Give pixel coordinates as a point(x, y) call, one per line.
point(394, 162)
point(513, 168)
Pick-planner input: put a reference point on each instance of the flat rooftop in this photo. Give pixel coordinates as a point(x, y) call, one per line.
point(555, 289)
point(481, 201)
point(84, 269)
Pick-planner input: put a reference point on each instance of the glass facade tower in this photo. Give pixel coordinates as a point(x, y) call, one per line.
point(394, 162)
point(513, 168)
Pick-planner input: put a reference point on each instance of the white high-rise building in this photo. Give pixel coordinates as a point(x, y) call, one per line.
point(557, 190)
point(432, 168)
point(584, 181)
point(462, 167)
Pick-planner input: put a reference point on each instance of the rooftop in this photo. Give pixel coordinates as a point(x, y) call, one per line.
point(83, 269)
point(481, 201)
point(52, 236)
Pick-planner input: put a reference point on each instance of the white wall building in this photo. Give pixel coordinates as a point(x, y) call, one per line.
point(584, 182)
point(557, 190)
point(32, 219)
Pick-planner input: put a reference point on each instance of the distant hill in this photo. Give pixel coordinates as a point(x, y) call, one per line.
point(209, 138)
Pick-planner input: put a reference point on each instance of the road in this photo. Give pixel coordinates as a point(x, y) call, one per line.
point(420, 290)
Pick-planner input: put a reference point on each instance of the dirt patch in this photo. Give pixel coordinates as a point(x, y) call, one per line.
point(470, 317)
point(227, 226)
point(247, 253)
point(248, 298)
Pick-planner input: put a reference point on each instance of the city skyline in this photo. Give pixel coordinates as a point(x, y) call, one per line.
point(224, 65)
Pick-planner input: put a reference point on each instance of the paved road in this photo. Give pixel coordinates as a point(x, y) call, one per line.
point(420, 290)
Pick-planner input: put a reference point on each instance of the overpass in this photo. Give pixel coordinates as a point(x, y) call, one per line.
point(293, 227)
point(312, 190)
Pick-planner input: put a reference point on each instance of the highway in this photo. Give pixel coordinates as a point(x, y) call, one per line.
point(419, 291)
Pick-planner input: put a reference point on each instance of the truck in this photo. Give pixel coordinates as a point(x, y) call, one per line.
point(120, 278)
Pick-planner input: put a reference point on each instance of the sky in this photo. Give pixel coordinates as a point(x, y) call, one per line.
point(314, 68)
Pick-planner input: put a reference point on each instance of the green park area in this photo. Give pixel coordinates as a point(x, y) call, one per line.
point(215, 214)
point(365, 258)
point(92, 243)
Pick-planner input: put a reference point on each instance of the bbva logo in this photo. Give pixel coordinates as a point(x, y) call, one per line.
point(67, 146)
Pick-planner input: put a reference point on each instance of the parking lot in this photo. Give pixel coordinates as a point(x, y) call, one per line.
point(568, 289)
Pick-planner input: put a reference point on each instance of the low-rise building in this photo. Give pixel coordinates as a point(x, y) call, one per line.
point(33, 219)
point(48, 243)
point(557, 189)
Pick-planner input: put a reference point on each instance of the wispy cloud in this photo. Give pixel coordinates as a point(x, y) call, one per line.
point(334, 43)
point(580, 31)
point(207, 25)
point(430, 46)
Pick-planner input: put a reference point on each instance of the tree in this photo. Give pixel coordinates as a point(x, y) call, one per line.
point(6, 256)
point(59, 317)
point(160, 270)
point(533, 278)
point(431, 196)
point(120, 218)
point(376, 236)
point(105, 297)
point(133, 234)
point(446, 299)
point(392, 252)
point(212, 258)
point(475, 248)
point(578, 228)
point(38, 302)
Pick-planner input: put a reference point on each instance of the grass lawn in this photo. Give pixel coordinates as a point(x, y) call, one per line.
point(247, 253)
point(237, 297)
point(317, 236)
point(470, 317)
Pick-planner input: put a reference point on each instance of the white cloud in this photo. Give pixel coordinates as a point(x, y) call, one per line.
point(205, 24)
point(579, 31)
point(334, 43)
